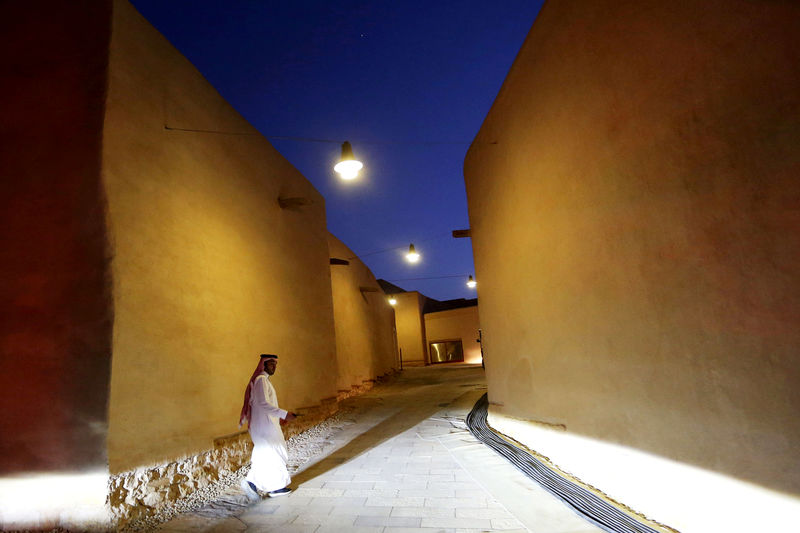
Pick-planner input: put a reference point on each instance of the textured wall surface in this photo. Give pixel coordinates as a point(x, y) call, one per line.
point(365, 338)
point(453, 325)
point(411, 328)
point(55, 303)
point(208, 270)
point(634, 198)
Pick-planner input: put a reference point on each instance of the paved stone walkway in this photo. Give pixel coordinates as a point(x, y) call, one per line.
point(406, 463)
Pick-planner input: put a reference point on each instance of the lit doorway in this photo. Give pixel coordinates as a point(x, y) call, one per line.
point(446, 352)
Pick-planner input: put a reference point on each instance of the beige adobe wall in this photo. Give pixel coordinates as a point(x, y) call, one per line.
point(456, 324)
point(366, 346)
point(634, 200)
point(411, 328)
point(208, 270)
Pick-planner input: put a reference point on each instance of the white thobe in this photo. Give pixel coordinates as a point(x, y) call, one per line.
point(268, 462)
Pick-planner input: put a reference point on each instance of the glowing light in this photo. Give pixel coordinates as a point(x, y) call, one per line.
point(348, 170)
point(412, 256)
point(471, 283)
point(392, 300)
point(685, 497)
point(72, 501)
point(348, 166)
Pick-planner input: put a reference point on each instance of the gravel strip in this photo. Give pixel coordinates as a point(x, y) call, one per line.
point(226, 498)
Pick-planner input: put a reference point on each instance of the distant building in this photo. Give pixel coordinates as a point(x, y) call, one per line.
point(430, 331)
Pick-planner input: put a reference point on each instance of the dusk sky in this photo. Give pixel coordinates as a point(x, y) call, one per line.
point(408, 83)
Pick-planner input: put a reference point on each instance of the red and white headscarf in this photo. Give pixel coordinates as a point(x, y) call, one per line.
point(245, 416)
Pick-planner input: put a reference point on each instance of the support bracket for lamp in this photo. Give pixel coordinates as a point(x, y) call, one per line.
point(461, 233)
point(368, 289)
point(293, 202)
point(365, 290)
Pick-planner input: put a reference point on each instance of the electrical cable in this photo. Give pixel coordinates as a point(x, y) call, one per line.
point(252, 133)
point(316, 140)
point(434, 277)
point(437, 236)
point(584, 502)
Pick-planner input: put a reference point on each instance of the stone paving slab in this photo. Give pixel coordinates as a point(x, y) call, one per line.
point(409, 465)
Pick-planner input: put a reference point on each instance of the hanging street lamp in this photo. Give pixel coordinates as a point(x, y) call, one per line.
point(471, 283)
point(412, 256)
point(348, 166)
point(392, 300)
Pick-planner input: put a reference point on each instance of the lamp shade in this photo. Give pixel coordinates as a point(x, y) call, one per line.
point(412, 256)
point(348, 166)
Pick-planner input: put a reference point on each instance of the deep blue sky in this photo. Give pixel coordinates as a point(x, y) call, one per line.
point(408, 83)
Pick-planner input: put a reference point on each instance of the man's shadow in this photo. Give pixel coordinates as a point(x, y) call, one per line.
point(395, 424)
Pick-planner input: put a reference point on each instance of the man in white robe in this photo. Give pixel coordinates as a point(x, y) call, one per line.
point(268, 471)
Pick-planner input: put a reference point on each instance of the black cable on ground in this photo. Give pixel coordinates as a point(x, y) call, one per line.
point(584, 502)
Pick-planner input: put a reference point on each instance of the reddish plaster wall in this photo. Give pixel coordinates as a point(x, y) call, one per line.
point(55, 301)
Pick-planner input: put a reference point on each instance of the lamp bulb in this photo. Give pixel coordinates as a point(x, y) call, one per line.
point(348, 170)
point(348, 166)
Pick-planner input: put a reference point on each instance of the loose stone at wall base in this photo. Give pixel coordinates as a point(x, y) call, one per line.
point(144, 492)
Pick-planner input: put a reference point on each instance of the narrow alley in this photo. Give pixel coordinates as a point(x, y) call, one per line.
point(404, 461)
